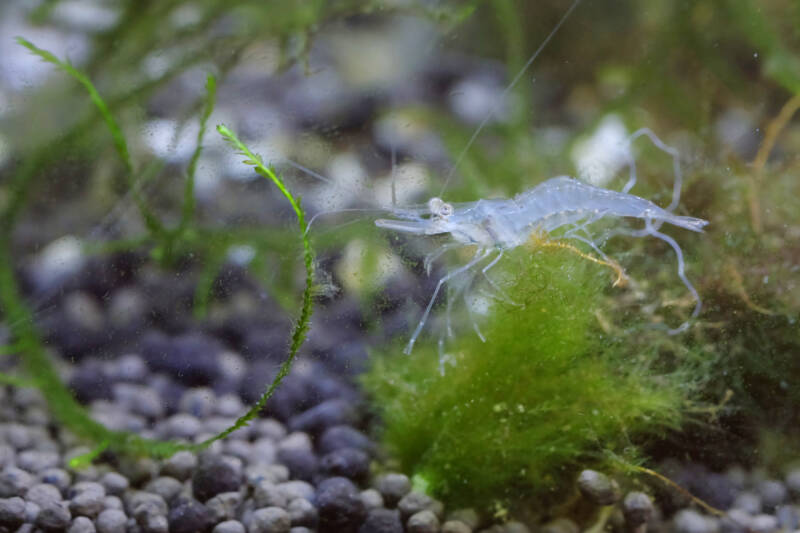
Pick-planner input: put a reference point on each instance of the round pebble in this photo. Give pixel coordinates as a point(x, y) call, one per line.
point(346, 462)
point(266, 494)
point(414, 502)
point(423, 522)
point(598, 488)
point(455, 526)
point(180, 465)
point(14, 482)
point(224, 505)
point(111, 521)
point(393, 487)
point(302, 513)
point(12, 512)
point(87, 499)
point(793, 481)
point(82, 524)
point(372, 499)
point(296, 489)
point(690, 521)
point(468, 516)
point(637, 508)
point(57, 477)
point(43, 494)
point(339, 505)
point(213, 476)
point(763, 523)
point(165, 486)
point(773, 493)
point(229, 526)
point(382, 521)
point(303, 464)
point(747, 501)
point(190, 517)
point(54, 516)
point(337, 437)
point(114, 483)
point(270, 520)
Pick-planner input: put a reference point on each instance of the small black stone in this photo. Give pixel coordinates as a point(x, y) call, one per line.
point(349, 358)
point(289, 399)
point(190, 517)
point(346, 462)
point(337, 437)
point(190, 359)
point(213, 476)
point(267, 344)
point(12, 513)
point(637, 509)
point(89, 383)
point(382, 521)
point(302, 464)
point(339, 504)
point(598, 488)
point(320, 417)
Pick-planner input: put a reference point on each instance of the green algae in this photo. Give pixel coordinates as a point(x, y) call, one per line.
point(548, 392)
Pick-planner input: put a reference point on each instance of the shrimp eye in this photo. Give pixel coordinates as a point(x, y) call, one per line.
point(439, 208)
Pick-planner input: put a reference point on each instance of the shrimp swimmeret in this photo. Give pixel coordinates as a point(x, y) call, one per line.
point(561, 203)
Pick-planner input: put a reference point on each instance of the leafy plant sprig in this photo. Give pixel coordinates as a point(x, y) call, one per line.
point(301, 327)
point(154, 226)
point(36, 362)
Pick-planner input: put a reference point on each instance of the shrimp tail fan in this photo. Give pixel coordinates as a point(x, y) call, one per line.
point(690, 223)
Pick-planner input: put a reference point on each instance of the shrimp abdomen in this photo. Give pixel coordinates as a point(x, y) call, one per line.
point(562, 201)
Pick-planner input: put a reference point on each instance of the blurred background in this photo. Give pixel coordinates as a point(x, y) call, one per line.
point(364, 93)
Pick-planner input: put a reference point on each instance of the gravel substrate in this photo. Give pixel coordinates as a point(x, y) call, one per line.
point(308, 464)
point(125, 340)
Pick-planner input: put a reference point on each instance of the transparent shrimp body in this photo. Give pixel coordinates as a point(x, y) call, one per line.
point(561, 204)
point(508, 223)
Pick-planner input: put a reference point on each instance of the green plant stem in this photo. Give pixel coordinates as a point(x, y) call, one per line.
point(154, 225)
point(301, 328)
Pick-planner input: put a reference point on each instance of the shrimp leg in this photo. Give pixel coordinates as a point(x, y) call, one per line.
point(478, 257)
point(436, 254)
point(503, 296)
point(652, 230)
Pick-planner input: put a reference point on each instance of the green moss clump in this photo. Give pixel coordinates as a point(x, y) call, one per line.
point(547, 393)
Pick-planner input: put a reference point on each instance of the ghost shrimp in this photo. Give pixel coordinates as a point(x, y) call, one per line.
point(494, 226)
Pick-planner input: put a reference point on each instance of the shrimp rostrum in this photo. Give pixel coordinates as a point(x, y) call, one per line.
point(561, 204)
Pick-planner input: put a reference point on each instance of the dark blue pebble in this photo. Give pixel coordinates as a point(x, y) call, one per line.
point(73, 340)
point(382, 521)
point(348, 358)
point(337, 437)
point(264, 344)
point(327, 414)
point(346, 462)
point(89, 383)
point(170, 393)
point(292, 396)
point(231, 279)
point(339, 505)
point(212, 476)
point(102, 276)
point(302, 464)
point(190, 359)
point(190, 517)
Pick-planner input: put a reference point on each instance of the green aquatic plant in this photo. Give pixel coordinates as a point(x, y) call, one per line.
point(36, 362)
point(547, 393)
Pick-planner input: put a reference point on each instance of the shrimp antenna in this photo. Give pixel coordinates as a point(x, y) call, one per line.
point(505, 92)
point(677, 183)
point(394, 176)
